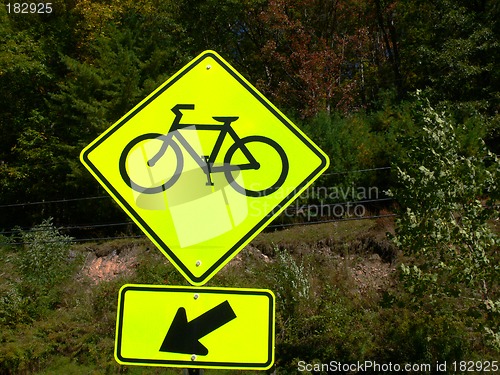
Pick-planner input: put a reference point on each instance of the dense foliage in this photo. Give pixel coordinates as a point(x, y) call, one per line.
point(68, 75)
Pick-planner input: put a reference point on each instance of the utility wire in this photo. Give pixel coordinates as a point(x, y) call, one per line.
point(331, 221)
point(97, 239)
point(291, 208)
point(357, 171)
point(72, 240)
point(54, 201)
point(107, 196)
point(306, 207)
point(48, 228)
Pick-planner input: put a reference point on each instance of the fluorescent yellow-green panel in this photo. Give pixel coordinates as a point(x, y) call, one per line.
point(195, 327)
point(203, 164)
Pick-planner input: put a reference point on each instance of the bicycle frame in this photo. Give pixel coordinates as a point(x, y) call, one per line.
point(206, 162)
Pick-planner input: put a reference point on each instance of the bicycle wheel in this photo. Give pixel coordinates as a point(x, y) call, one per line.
point(267, 177)
point(139, 175)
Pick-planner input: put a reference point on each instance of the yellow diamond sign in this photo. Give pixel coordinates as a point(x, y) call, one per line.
point(203, 164)
point(195, 327)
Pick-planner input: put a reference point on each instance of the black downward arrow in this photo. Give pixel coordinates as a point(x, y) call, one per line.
point(183, 336)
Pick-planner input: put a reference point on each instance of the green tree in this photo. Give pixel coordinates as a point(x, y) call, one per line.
point(33, 156)
point(65, 78)
point(451, 50)
point(24, 75)
point(452, 47)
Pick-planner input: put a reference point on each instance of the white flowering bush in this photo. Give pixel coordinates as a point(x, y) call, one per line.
point(446, 198)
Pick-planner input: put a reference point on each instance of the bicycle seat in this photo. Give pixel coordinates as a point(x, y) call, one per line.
point(225, 119)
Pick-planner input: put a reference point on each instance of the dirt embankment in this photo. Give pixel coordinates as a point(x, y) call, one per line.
point(362, 254)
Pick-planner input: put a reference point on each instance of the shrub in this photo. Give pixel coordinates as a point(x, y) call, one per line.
point(44, 258)
point(443, 224)
point(13, 306)
point(290, 282)
point(42, 264)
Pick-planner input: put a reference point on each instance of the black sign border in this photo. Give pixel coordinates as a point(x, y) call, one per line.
point(195, 364)
point(260, 225)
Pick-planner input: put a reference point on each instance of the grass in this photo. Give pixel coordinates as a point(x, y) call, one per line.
point(315, 271)
point(312, 235)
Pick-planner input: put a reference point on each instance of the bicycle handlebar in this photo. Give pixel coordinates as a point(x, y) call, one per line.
point(180, 107)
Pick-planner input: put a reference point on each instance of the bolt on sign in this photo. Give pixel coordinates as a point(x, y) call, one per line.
point(195, 327)
point(203, 164)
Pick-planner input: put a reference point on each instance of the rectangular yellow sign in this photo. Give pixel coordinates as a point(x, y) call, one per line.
point(176, 326)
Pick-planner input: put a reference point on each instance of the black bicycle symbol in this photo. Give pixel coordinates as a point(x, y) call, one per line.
point(173, 141)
